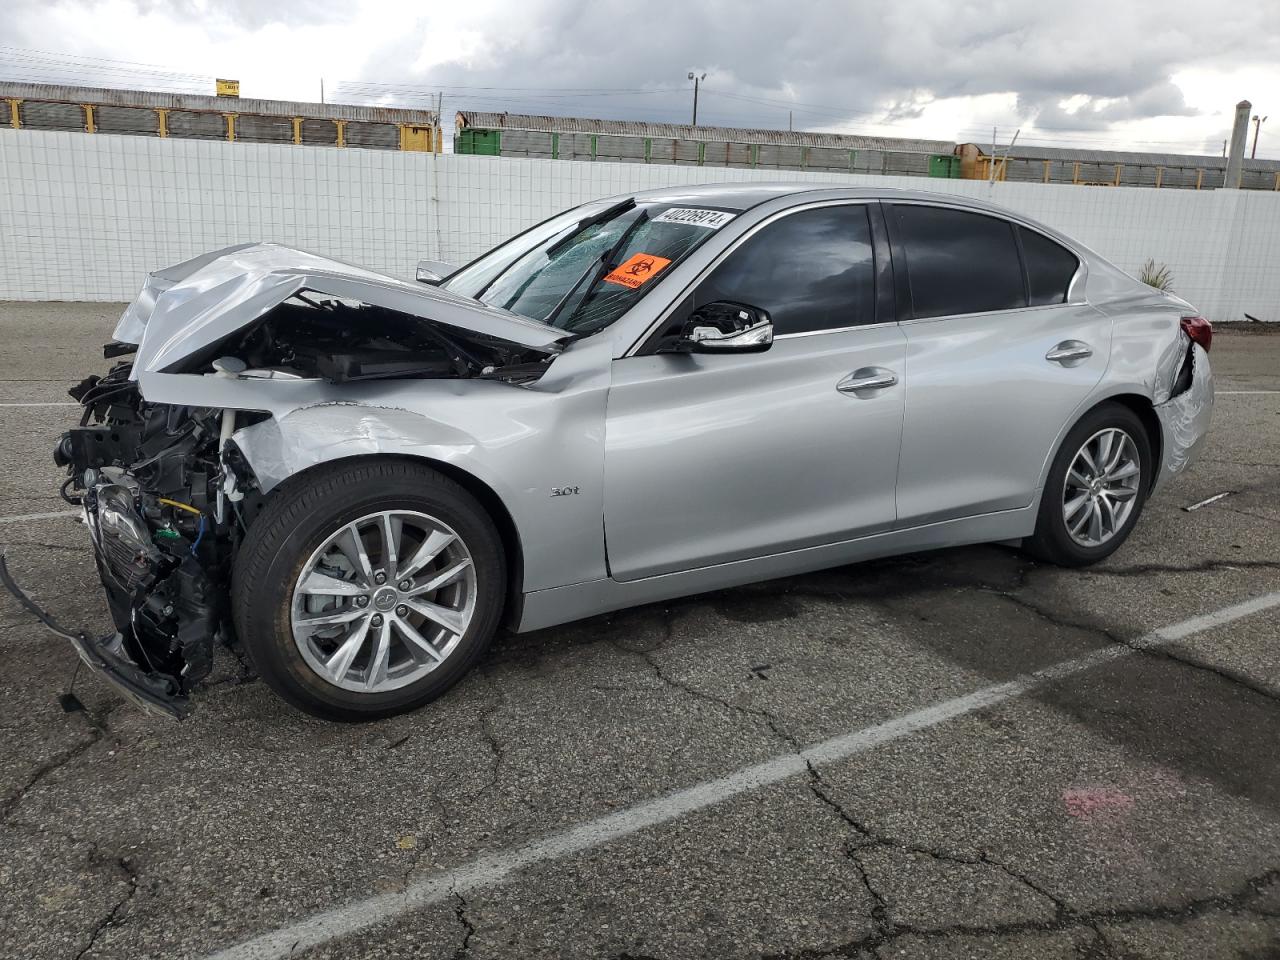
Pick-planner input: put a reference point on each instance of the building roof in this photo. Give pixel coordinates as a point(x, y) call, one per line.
point(195, 102)
point(684, 131)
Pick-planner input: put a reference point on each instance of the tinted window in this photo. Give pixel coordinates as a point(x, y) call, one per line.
point(811, 270)
point(958, 262)
point(1050, 267)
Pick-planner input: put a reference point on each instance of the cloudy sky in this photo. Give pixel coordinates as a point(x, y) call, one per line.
point(1107, 75)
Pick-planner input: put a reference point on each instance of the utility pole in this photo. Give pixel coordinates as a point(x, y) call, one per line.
point(696, 80)
point(1235, 156)
point(322, 89)
point(791, 117)
point(438, 146)
point(1257, 126)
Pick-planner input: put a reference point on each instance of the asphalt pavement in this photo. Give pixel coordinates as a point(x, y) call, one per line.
point(953, 754)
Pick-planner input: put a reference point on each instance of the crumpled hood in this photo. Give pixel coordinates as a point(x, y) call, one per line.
point(190, 305)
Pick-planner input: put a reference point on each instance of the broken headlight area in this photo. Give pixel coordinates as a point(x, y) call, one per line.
point(165, 500)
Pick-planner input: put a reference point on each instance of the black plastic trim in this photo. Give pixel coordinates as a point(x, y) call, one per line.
point(886, 297)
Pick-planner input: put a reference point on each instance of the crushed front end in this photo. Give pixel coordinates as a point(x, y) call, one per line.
point(212, 348)
point(163, 506)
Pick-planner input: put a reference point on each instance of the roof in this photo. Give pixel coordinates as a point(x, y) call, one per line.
point(195, 102)
point(729, 196)
point(684, 131)
point(743, 196)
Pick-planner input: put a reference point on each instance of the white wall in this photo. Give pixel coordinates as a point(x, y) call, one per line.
point(85, 217)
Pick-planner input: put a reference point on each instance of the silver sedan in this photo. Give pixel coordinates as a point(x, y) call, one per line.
point(359, 478)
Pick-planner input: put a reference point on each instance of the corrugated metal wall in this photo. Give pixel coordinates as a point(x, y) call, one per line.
point(378, 136)
point(197, 117)
point(138, 121)
point(628, 142)
point(319, 132)
point(51, 116)
point(264, 129)
point(197, 126)
point(526, 143)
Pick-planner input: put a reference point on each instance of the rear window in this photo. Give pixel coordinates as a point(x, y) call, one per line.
point(1050, 267)
point(958, 262)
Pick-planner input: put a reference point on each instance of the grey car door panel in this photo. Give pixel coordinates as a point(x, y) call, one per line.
point(710, 459)
point(984, 402)
point(991, 380)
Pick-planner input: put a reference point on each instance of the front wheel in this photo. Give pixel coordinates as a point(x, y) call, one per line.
point(1096, 488)
point(368, 589)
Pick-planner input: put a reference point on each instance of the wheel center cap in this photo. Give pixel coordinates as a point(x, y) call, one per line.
point(385, 598)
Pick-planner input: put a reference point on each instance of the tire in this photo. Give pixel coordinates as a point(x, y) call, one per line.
point(1054, 540)
point(308, 524)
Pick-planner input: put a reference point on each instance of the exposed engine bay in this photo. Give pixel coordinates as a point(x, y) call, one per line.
point(168, 496)
point(163, 509)
point(310, 337)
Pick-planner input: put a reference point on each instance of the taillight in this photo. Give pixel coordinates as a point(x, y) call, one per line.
point(1199, 330)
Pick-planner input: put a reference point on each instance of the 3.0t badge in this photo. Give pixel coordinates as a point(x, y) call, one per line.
point(564, 491)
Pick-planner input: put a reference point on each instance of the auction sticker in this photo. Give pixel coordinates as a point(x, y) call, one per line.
point(695, 217)
point(637, 271)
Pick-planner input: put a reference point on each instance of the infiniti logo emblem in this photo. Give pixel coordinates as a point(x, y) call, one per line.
point(385, 598)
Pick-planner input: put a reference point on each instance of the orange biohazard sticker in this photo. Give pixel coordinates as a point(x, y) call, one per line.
point(637, 271)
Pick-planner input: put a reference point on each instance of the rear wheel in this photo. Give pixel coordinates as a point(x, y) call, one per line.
point(367, 589)
point(1096, 488)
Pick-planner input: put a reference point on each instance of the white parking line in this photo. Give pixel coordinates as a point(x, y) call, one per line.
point(60, 403)
point(1241, 393)
point(23, 517)
point(496, 868)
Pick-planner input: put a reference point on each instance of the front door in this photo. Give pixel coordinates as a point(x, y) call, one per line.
point(714, 458)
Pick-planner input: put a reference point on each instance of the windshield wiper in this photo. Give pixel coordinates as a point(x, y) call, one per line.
point(608, 261)
point(592, 267)
point(608, 213)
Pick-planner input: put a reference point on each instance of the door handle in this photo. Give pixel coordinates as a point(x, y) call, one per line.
point(864, 380)
point(1070, 353)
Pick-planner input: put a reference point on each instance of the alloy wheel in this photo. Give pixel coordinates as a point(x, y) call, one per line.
point(383, 601)
point(1101, 487)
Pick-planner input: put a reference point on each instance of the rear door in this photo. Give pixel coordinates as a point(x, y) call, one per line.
point(715, 458)
point(1000, 356)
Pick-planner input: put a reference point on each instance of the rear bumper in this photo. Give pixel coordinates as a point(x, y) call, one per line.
point(1184, 420)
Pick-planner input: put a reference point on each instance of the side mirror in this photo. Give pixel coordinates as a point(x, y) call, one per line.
point(434, 271)
point(725, 327)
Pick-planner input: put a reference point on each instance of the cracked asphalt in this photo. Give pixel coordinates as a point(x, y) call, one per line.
point(1127, 811)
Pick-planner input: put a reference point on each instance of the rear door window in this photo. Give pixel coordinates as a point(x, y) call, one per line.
point(958, 262)
point(1050, 267)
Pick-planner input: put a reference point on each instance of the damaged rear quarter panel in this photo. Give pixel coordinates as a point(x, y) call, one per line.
point(1148, 351)
point(1185, 417)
